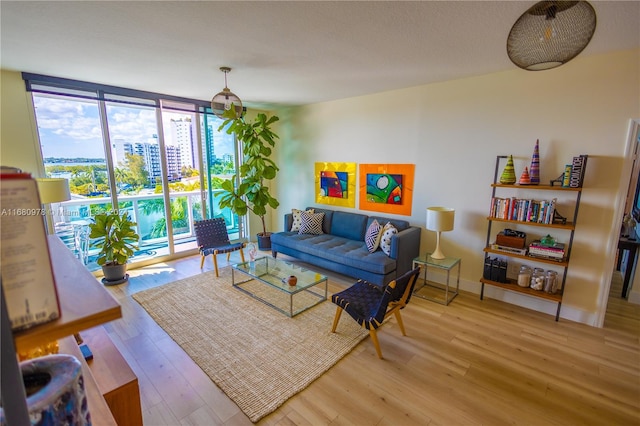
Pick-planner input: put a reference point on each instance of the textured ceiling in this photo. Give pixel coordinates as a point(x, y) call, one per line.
point(281, 52)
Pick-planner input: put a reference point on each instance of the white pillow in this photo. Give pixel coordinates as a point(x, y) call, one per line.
point(385, 240)
point(297, 220)
point(372, 236)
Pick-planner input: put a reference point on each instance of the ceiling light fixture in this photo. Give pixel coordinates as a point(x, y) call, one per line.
point(551, 33)
point(226, 99)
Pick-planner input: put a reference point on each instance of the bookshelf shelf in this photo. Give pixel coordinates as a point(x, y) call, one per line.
point(574, 193)
point(568, 225)
point(526, 257)
point(512, 286)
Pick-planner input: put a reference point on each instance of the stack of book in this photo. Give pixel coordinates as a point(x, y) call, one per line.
point(553, 252)
point(574, 172)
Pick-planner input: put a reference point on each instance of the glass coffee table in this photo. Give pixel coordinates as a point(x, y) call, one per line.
point(268, 283)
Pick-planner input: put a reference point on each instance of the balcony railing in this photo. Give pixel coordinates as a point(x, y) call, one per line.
point(72, 219)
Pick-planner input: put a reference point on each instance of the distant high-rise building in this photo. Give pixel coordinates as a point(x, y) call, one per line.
point(209, 153)
point(151, 154)
point(119, 151)
point(182, 137)
point(174, 163)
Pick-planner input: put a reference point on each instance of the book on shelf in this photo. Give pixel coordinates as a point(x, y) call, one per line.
point(27, 277)
point(578, 168)
point(507, 249)
point(554, 247)
point(546, 257)
point(523, 210)
point(555, 251)
point(566, 176)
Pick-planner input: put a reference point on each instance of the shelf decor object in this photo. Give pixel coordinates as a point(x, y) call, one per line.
point(550, 34)
point(225, 100)
point(439, 219)
point(525, 178)
point(534, 170)
point(508, 176)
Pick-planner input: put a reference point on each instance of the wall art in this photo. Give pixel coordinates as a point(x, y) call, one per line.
point(335, 184)
point(387, 188)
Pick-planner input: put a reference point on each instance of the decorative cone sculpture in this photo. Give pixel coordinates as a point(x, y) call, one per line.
point(535, 165)
point(524, 177)
point(508, 176)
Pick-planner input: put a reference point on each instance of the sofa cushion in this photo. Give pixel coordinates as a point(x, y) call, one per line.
point(349, 225)
point(372, 236)
point(328, 215)
point(399, 224)
point(311, 223)
point(385, 240)
point(297, 220)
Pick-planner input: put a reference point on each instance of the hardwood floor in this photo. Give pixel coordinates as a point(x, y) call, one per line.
point(472, 362)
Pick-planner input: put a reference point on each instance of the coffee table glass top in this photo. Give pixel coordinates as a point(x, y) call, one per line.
point(268, 283)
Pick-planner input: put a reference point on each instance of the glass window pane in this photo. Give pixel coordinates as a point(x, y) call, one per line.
point(219, 158)
point(183, 168)
point(135, 151)
point(71, 142)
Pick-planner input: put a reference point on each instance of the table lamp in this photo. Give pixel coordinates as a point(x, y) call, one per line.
point(439, 219)
point(52, 190)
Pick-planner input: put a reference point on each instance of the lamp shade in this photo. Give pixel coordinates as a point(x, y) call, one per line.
point(551, 33)
point(440, 218)
point(53, 190)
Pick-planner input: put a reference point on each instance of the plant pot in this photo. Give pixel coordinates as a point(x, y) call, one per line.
point(264, 241)
point(55, 392)
point(114, 274)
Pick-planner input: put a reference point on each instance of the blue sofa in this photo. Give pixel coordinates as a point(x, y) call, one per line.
point(342, 248)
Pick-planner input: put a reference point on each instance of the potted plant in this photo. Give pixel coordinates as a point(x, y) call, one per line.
point(252, 193)
point(117, 239)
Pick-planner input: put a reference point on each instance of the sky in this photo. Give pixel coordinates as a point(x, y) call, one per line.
point(71, 128)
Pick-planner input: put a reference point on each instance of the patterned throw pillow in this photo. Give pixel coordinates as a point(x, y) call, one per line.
point(372, 236)
point(311, 223)
point(297, 220)
point(385, 241)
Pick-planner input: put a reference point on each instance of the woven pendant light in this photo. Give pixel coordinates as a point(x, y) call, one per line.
point(550, 34)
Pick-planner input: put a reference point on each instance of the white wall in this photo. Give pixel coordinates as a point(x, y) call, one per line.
point(453, 131)
point(19, 145)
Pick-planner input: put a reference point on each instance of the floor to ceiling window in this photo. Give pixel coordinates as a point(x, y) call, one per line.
point(157, 157)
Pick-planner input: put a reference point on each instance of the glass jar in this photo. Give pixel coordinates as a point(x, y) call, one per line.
point(537, 279)
point(550, 285)
point(524, 276)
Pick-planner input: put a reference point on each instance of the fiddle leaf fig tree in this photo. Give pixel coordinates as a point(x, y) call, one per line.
point(252, 194)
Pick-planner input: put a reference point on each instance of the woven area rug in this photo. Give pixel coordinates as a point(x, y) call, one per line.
point(255, 354)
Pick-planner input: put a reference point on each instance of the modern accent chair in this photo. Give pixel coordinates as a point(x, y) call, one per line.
point(212, 238)
point(369, 304)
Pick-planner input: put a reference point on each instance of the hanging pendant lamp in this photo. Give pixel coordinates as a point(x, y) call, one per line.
point(226, 99)
point(550, 34)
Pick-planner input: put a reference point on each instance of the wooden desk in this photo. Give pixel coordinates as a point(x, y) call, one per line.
point(629, 244)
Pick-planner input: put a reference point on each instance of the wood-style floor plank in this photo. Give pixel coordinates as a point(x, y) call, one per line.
point(472, 362)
